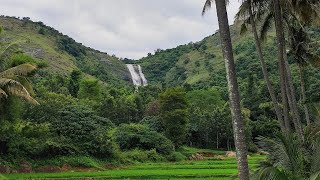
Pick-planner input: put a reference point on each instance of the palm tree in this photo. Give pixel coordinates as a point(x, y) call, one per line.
point(13, 81)
point(246, 14)
point(289, 158)
point(227, 51)
point(290, 9)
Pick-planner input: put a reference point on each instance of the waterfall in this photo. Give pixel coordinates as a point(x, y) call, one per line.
point(137, 75)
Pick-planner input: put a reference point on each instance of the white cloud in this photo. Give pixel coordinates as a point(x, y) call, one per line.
point(127, 28)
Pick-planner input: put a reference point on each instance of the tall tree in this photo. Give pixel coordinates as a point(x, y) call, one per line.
point(234, 97)
point(246, 9)
point(173, 107)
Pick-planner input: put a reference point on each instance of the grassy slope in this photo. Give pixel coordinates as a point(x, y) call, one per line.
point(198, 62)
point(44, 47)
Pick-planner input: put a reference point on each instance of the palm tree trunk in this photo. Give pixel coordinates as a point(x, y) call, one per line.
point(303, 93)
point(265, 73)
point(282, 66)
point(292, 99)
point(238, 124)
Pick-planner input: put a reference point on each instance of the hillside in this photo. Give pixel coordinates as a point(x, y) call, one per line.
point(196, 63)
point(200, 65)
point(60, 52)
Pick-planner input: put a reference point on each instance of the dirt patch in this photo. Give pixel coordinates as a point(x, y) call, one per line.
point(208, 154)
point(231, 154)
point(111, 166)
point(25, 167)
point(4, 169)
point(66, 167)
point(196, 157)
point(50, 169)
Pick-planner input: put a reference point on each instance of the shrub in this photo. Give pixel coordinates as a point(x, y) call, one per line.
point(176, 156)
point(153, 122)
point(84, 130)
point(133, 136)
point(137, 155)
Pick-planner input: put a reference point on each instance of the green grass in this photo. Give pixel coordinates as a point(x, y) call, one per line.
point(209, 169)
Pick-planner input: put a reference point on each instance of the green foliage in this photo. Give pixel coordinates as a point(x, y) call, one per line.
point(173, 105)
point(176, 157)
point(74, 83)
point(90, 89)
point(83, 129)
point(22, 139)
point(153, 122)
point(137, 155)
point(132, 136)
point(42, 31)
point(51, 104)
point(290, 157)
point(71, 46)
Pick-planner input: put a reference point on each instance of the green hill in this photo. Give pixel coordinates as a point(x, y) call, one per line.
point(200, 62)
point(61, 53)
point(200, 65)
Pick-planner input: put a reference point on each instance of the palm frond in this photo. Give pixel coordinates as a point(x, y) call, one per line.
point(25, 82)
point(243, 11)
point(6, 53)
point(243, 29)
point(270, 173)
point(266, 26)
point(20, 70)
point(15, 88)
point(3, 94)
point(207, 6)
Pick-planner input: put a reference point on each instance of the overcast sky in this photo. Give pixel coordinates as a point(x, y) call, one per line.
point(126, 28)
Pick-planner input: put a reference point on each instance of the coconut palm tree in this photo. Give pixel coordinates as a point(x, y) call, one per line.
point(247, 12)
point(13, 81)
point(289, 158)
point(293, 11)
point(227, 51)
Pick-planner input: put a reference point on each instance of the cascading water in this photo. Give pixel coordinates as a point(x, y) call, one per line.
point(137, 75)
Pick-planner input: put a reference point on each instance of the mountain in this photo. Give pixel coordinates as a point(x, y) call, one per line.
point(200, 65)
point(60, 53)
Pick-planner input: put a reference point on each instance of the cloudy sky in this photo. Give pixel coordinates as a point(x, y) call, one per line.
point(126, 28)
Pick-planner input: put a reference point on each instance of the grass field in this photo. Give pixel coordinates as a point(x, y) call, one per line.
point(209, 169)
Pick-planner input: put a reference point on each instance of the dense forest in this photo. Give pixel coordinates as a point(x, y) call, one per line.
point(65, 103)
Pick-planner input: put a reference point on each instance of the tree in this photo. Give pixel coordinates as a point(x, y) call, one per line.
point(132, 136)
point(74, 83)
point(173, 107)
point(234, 97)
point(289, 158)
point(245, 10)
point(90, 89)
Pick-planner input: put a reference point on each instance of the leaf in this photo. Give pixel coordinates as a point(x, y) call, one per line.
point(20, 70)
point(13, 87)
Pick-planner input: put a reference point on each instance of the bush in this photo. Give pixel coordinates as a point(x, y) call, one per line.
point(86, 131)
point(137, 136)
point(137, 155)
point(153, 122)
point(74, 161)
point(176, 156)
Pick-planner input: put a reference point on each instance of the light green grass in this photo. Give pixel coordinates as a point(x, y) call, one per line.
point(209, 169)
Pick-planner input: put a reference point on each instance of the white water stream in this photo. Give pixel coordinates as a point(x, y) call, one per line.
point(137, 75)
